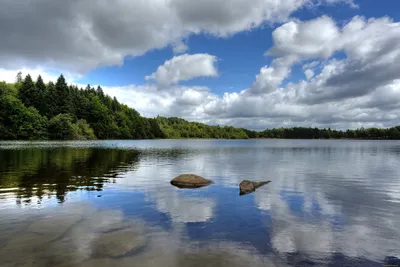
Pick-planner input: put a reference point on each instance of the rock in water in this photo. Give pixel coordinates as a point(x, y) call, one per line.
point(247, 186)
point(118, 243)
point(190, 181)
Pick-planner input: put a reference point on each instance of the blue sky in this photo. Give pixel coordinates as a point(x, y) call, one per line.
point(222, 75)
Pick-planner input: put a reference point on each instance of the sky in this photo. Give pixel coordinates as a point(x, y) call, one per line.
point(247, 63)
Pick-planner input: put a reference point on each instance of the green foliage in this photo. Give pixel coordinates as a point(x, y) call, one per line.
point(41, 91)
point(61, 127)
point(176, 128)
point(6, 88)
point(50, 97)
point(315, 133)
point(19, 122)
point(28, 93)
point(83, 130)
point(62, 97)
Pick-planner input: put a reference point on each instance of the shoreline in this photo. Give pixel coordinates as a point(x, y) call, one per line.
point(200, 139)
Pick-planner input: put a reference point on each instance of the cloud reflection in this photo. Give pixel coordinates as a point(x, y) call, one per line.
point(322, 200)
point(77, 243)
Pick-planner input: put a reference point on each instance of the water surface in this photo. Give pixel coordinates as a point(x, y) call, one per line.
point(110, 203)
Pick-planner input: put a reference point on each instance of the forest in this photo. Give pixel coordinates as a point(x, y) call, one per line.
point(33, 110)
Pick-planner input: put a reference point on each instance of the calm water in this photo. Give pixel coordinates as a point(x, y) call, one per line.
point(110, 203)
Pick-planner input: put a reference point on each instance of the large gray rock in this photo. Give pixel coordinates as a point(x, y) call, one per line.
point(190, 181)
point(247, 186)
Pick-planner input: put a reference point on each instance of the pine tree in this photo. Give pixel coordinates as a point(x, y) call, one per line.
point(63, 97)
point(50, 106)
point(42, 94)
point(26, 91)
point(40, 86)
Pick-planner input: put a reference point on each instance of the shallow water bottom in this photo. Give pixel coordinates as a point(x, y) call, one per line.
point(83, 236)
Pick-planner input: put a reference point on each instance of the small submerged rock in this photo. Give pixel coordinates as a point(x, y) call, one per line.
point(190, 181)
point(118, 243)
point(247, 186)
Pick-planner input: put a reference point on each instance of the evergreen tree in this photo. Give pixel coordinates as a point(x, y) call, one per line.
point(50, 98)
point(42, 92)
point(27, 92)
point(63, 98)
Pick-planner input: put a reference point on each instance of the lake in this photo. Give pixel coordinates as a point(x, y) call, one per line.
point(110, 203)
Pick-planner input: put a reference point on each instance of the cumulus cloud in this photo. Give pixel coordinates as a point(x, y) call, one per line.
point(371, 47)
point(270, 77)
point(185, 67)
point(147, 99)
point(361, 39)
point(80, 35)
point(358, 90)
point(224, 18)
point(151, 100)
point(310, 39)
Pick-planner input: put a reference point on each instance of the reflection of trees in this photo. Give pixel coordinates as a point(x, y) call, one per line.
point(38, 172)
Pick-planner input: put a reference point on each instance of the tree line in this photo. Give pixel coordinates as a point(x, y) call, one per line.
point(315, 133)
point(33, 110)
point(175, 128)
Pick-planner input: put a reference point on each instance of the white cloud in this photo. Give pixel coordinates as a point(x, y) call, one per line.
point(185, 67)
point(179, 47)
point(360, 39)
point(223, 18)
point(270, 77)
point(153, 100)
point(361, 89)
point(78, 35)
point(310, 39)
point(311, 65)
point(146, 99)
point(309, 73)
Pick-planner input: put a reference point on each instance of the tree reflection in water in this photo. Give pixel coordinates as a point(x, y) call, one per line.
point(43, 173)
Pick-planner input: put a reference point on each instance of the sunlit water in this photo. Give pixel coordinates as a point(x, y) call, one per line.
point(110, 203)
